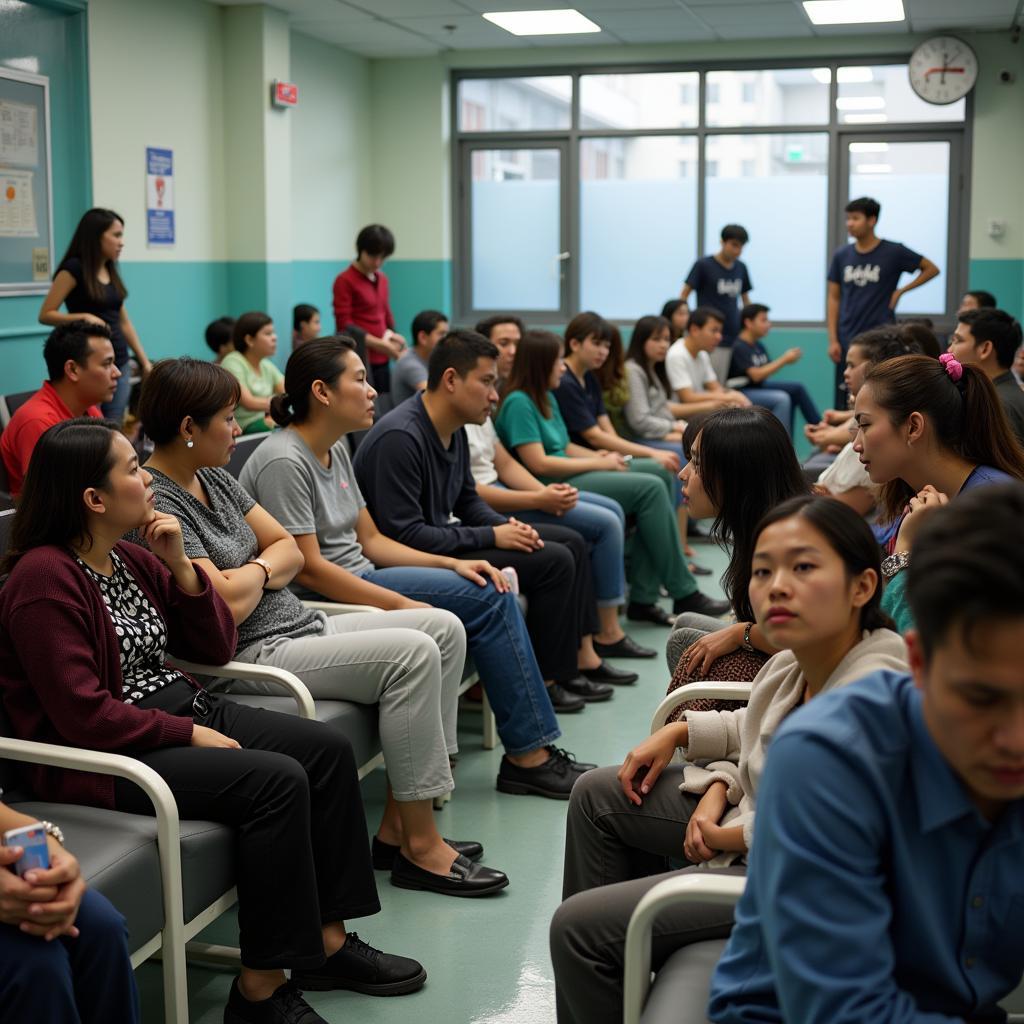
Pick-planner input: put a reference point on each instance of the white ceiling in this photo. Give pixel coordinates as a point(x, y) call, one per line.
point(408, 28)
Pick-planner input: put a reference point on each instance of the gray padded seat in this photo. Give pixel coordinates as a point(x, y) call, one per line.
point(681, 987)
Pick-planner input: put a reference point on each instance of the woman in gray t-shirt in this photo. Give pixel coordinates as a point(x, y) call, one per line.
point(409, 663)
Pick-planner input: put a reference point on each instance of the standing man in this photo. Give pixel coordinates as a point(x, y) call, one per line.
point(361, 301)
point(721, 281)
point(863, 280)
point(410, 376)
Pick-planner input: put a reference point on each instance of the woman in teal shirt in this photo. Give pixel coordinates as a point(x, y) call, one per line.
point(530, 425)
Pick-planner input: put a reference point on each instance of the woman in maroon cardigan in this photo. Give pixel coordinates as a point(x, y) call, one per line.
point(85, 623)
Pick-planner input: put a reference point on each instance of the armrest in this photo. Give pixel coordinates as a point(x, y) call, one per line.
point(336, 608)
point(281, 677)
point(689, 888)
point(738, 382)
point(697, 691)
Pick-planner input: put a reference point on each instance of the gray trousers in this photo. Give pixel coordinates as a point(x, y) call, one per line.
point(614, 853)
point(688, 629)
point(408, 662)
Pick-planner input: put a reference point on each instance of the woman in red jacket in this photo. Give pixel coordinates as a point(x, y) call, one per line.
point(86, 622)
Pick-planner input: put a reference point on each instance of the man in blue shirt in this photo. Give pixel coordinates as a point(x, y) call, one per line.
point(721, 281)
point(863, 280)
point(885, 880)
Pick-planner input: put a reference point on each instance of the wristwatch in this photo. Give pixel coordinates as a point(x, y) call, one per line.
point(265, 566)
point(747, 645)
point(53, 830)
point(895, 563)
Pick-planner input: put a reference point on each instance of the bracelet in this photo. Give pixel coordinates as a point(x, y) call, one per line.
point(53, 830)
point(264, 565)
point(747, 645)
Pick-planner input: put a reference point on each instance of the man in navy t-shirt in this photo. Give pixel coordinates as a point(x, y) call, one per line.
point(721, 281)
point(863, 280)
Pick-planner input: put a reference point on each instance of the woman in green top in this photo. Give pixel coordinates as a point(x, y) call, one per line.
point(530, 425)
point(255, 342)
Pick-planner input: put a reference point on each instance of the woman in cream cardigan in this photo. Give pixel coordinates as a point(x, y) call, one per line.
point(815, 591)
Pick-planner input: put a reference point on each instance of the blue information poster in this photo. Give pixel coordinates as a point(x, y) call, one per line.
point(159, 197)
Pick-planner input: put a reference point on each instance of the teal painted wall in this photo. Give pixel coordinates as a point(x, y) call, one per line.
point(1003, 278)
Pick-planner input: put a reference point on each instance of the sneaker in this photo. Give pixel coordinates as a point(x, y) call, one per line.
point(698, 602)
point(285, 1006)
point(553, 779)
point(361, 968)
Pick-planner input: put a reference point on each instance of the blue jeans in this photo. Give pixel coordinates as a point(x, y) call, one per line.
point(783, 397)
point(601, 522)
point(118, 405)
point(498, 644)
point(88, 980)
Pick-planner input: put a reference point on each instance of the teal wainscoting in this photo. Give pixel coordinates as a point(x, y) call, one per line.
point(1004, 279)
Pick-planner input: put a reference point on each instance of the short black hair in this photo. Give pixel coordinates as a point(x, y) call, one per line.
point(375, 240)
point(965, 571)
point(176, 388)
point(218, 333)
point(486, 326)
point(426, 321)
point(996, 326)
point(702, 314)
point(985, 300)
point(302, 314)
point(70, 341)
point(750, 311)
point(459, 351)
point(735, 233)
point(866, 205)
point(247, 326)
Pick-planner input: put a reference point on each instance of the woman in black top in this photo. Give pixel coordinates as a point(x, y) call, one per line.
point(87, 282)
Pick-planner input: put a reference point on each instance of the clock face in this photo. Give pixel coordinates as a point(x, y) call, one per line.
point(943, 69)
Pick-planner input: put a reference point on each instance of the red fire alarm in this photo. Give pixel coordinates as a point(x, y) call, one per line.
point(284, 94)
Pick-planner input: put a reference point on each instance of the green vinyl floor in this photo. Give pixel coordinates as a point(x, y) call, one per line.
point(487, 960)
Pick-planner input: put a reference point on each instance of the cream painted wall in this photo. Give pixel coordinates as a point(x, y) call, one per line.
point(155, 79)
point(330, 169)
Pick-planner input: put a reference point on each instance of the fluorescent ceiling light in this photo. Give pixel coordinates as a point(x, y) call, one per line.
point(853, 12)
point(865, 118)
point(543, 23)
point(873, 168)
point(869, 147)
point(860, 103)
point(844, 77)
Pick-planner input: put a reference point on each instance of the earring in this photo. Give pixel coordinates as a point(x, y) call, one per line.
point(189, 443)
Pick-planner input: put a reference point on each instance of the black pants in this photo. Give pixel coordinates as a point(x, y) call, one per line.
point(559, 591)
point(292, 795)
point(380, 377)
point(842, 395)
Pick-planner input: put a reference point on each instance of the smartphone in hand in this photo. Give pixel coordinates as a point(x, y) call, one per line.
point(32, 840)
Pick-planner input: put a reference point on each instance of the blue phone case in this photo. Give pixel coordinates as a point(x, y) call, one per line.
point(37, 853)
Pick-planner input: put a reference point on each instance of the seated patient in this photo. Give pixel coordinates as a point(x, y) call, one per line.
point(886, 880)
point(408, 663)
point(63, 950)
point(815, 591)
point(86, 622)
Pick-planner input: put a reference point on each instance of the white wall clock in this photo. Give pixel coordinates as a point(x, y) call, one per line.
point(943, 69)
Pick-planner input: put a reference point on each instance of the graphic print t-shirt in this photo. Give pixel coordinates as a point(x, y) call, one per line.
point(866, 282)
point(721, 287)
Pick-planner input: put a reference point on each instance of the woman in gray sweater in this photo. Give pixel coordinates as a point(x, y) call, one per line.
point(648, 411)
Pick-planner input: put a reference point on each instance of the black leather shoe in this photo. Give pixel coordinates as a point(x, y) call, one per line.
point(587, 689)
point(553, 779)
point(605, 673)
point(384, 853)
point(698, 602)
point(698, 570)
point(285, 1006)
point(648, 613)
point(361, 968)
point(627, 647)
point(566, 755)
point(464, 879)
point(563, 701)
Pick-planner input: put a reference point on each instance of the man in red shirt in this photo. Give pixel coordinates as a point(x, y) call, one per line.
point(80, 360)
point(361, 301)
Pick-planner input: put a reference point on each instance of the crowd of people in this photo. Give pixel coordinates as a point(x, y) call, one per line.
point(526, 496)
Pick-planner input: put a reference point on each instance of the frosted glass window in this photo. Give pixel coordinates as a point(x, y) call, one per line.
point(542, 103)
point(657, 100)
point(882, 95)
point(778, 97)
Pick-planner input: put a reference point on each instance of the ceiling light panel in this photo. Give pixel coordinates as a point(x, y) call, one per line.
point(543, 23)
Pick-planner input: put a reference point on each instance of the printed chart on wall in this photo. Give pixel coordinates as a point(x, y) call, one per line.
point(26, 237)
point(159, 197)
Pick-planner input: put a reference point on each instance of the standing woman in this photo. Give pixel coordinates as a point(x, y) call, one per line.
point(88, 284)
point(258, 377)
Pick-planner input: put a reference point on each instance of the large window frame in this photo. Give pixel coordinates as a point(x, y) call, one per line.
point(953, 263)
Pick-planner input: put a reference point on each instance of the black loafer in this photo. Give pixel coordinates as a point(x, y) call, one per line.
point(564, 702)
point(464, 879)
point(605, 673)
point(627, 647)
point(359, 967)
point(384, 853)
point(584, 687)
point(285, 1006)
point(553, 779)
point(698, 570)
point(698, 602)
point(648, 613)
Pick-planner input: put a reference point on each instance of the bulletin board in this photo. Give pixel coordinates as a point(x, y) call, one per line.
point(26, 208)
